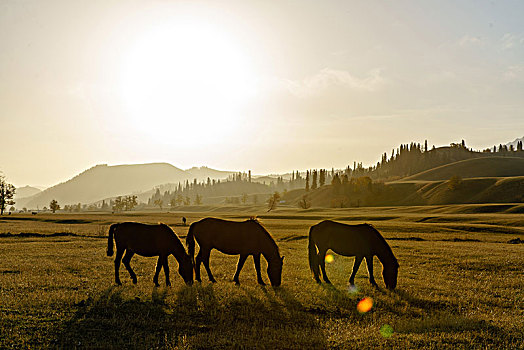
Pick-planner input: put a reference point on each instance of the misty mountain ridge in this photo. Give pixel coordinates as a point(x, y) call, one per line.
point(104, 181)
point(514, 143)
point(26, 191)
point(203, 172)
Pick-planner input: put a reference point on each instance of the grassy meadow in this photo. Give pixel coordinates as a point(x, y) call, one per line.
point(460, 285)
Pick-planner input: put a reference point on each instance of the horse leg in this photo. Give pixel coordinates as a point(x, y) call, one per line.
point(240, 265)
point(118, 258)
point(322, 260)
point(126, 261)
point(369, 262)
point(166, 270)
point(256, 258)
point(205, 260)
point(356, 265)
point(198, 261)
point(157, 272)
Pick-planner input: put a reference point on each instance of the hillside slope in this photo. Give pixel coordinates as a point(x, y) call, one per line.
point(104, 181)
point(471, 168)
point(26, 191)
point(202, 173)
point(475, 190)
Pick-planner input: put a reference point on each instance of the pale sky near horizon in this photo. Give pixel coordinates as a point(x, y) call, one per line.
point(270, 86)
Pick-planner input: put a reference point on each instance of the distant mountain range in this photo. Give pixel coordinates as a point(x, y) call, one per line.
point(514, 143)
point(202, 173)
point(103, 181)
point(26, 191)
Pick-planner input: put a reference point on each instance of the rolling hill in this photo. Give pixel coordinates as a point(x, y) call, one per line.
point(472, 168)
point(474, 190)
point(103, 181)
point(26, 191)
point(202, 173)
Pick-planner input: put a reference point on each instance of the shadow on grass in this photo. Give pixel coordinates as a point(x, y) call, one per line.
point(195, 318)
point(110, 321)
point(428, 316)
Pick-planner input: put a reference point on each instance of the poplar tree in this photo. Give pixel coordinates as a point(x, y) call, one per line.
point(7, 192)
point(307, 180)
point(322, 177)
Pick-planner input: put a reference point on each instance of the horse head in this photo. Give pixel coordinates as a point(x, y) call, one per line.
point(185, 269)
point(390, 273)
point(274, 271)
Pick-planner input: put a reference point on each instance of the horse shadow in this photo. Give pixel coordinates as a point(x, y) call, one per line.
point(113, 320)
point(435, 316)
point(245, 318)
point(189, 317)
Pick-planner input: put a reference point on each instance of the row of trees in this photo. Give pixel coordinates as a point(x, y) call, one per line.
point(409, 159)
point(176, 201)
point(125, 203)
point(234, 189)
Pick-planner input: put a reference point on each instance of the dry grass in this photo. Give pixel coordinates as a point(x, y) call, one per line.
point(58, 291)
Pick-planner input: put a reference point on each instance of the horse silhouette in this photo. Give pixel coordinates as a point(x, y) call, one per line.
point(148, 240)
point(361, 241)
point(233, 237)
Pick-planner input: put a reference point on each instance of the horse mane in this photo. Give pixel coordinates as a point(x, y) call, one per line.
point(383, 240)
point(161, 224)
point(255, 220)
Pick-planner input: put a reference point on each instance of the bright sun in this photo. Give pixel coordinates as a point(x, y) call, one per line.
point(187, 80)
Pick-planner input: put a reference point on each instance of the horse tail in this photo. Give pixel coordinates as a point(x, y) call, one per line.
point(112, 229)
point(313, 256)
point(190, 242)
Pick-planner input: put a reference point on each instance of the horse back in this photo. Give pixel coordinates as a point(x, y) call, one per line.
point(343, 239)
point(144, 239)
point(232, 237)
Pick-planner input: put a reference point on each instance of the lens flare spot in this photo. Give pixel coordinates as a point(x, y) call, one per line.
point(329, 258)
point(365, 305)
point(352, 289)
point(386, 331)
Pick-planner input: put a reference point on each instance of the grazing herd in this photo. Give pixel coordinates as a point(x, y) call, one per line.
point(247, 238)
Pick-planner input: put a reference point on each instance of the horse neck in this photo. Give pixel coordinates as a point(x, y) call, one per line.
point(385, 255)
point(177, 249)
point(270, 252)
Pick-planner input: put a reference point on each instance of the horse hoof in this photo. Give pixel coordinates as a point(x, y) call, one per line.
point(118, 283)
point(237, 283)
point(168, 284)
point(261, 283)
point(157, 285)
point(134, 281)
point(213, 281)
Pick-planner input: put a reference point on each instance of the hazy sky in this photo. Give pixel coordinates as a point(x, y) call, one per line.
point(270, 86)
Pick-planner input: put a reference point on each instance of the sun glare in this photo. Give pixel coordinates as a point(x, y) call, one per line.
point(187, 80)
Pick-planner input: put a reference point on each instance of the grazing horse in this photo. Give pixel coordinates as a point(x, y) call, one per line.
point(232, 237)
point(148, 240)
point(361, 241)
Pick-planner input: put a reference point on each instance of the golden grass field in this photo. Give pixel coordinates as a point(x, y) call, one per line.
point(460, 285)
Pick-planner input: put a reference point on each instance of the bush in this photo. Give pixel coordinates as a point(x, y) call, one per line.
point(454, 182)
point(304, 203)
